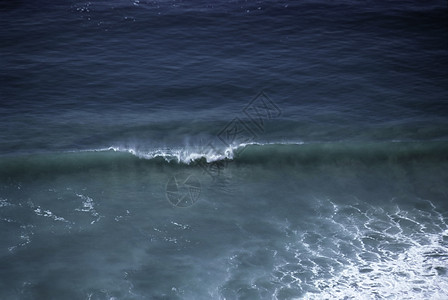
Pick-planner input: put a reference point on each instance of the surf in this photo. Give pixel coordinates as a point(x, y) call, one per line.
point(263, 154)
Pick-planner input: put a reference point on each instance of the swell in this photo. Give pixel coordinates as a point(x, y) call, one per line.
point(331, 153)
point(278, 155)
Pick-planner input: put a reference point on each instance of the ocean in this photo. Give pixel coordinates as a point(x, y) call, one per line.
point(169, 149)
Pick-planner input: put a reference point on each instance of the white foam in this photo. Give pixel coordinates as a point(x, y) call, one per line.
point(4, 202)
point(47, 213)
point(189, 154)
point(355, 251)
point(180, 155)
point(418, 271)
point(88, 206)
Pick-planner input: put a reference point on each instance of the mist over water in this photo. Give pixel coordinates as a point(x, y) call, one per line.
point(226, 150)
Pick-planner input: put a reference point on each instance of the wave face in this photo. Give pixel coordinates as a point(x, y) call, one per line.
point(277, 155)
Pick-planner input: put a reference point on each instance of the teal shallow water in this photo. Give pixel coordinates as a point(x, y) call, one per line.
point(280, 221)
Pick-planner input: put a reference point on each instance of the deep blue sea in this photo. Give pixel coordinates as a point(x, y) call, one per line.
point(169, 149)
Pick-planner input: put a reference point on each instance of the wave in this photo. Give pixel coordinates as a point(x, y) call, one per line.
point(289, 152)
point(278, 154)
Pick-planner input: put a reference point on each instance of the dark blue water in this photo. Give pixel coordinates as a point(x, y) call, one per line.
point(223, 150)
